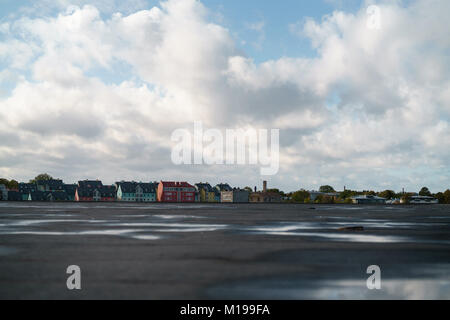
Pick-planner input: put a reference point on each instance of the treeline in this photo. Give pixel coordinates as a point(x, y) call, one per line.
point(14, 184)
point(331, 196)
point(9, 184)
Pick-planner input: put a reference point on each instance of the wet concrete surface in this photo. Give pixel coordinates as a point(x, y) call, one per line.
point(223, 251)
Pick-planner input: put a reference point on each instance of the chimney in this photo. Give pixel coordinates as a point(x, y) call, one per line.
point(264, 186)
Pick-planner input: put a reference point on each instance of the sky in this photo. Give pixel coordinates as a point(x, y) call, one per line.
point(95, 89)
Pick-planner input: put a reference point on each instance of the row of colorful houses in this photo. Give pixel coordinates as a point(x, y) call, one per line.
point(131, 191)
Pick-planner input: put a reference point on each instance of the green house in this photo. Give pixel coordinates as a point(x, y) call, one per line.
point(136, 191)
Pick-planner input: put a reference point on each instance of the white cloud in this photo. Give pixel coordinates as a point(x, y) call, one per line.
point(390, 109)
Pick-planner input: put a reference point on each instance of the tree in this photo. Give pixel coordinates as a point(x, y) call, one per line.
point(300, 196)
point(440, 196)
point(324, 199)
point(326, 189)
point(248, 189)
point(347, 194)
point(4, 181)
point(447, 196)
point(424, 192)
point(13, 184)
point(388, 194)
point(41, 177)
point(276, 191)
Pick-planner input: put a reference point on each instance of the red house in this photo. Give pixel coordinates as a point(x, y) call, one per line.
point(87, 190)
point(108, 193)
point(169, 191)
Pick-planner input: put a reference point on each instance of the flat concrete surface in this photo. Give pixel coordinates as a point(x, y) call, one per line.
point(218, 251)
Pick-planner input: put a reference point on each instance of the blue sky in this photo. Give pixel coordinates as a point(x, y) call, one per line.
point(83, 92)
point(273, 41)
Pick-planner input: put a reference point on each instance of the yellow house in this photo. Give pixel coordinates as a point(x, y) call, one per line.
point(206, 192)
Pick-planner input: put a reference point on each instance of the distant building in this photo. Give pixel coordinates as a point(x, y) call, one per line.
point(146, 192)
point(26, 188)
point(14, 195)
point(368, 199)
point(223, 187)
point(88, 190)
point(70, 190)
point(423, 200)
point(170, 191)
point(314, 194)
point(264, 196)
point(136, 191)
point(36, 196)
point(107, 193)
point(49, 185)
point(237, 195)
point(217, 195)
point(3, 192)
point(126, 191)
point(206, 192)
point(55, 196)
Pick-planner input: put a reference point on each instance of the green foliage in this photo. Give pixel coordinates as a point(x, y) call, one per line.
point(388, 194)
point(326, 189)
point(248, 189)
point(424, 192)
point(347, 194)
point(41, 177)
point(348, 201)
point(10, 184)
point(276, 191)
point(440, 196)
point(447, 196)
point(300, 196)
point(324, 199)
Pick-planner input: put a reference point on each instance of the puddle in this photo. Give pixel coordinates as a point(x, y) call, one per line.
point(173, 227)
point(145, 237)
point(166, 216)
point(351, 237)
point(350, 289)
point(24, 223)
point(131, 233)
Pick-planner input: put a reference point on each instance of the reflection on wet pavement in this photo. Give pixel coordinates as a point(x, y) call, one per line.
point(351, 289)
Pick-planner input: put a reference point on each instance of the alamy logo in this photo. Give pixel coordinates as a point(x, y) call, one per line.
point(74, 280)
point(239, 146)
point(374, 281)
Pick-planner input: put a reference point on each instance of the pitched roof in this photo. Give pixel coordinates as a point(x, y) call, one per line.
point(205, 186)
point(27, 187)
point(53, 184)
point(148, 187)
point(173, 184)
point(127, 187)
point(223, 187)
point(90, 184)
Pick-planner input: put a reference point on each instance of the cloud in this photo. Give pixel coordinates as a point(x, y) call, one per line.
point(100, 87)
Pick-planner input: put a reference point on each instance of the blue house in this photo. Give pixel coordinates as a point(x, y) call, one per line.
point(136, 191)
